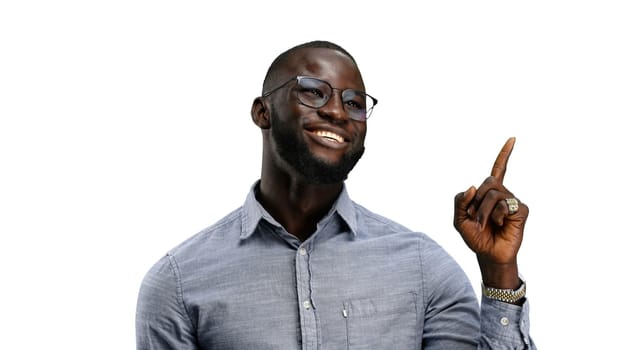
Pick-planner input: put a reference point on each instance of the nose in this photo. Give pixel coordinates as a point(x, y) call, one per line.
point(333, 109)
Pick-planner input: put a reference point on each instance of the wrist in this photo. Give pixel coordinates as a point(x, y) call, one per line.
point(499, 276)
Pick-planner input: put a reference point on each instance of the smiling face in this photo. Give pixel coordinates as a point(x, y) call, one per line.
point(321, 145)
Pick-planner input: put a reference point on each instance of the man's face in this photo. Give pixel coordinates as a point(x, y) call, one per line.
point(322, 145)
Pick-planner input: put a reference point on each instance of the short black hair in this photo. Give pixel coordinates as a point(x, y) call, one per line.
point(283, 57)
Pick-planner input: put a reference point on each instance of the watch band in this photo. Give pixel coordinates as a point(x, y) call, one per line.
point(505, 295)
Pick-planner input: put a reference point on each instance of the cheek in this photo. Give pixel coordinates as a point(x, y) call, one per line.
point(360, 134)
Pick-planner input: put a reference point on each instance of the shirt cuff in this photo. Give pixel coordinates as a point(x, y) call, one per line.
point(505, 323)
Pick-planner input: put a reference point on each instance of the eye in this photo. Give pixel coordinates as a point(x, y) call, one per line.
point(354, 100)
point(353, 105)
point(312, 92)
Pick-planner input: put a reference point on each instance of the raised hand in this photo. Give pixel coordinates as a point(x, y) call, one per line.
point(491, 221)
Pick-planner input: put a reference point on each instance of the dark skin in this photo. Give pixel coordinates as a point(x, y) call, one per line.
point(483, 219)
point(481, 214)
point(287, 195)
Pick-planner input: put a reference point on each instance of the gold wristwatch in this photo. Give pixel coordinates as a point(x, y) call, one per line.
point(505, 295)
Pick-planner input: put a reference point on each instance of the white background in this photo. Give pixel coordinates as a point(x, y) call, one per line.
point(125, 129)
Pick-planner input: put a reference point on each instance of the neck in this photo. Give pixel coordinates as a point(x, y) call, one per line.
point(297, 205)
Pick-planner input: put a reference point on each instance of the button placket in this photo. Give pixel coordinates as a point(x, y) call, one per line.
point(303, 260)
point(308, 322)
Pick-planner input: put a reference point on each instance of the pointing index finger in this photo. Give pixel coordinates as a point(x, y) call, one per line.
point(501, 163)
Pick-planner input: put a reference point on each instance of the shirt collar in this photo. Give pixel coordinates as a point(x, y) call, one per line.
point(253, 212)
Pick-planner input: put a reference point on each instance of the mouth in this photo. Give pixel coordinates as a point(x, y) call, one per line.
point(329, 136)
point(331, 139)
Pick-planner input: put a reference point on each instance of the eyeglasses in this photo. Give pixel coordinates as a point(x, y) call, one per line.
point(316, 93)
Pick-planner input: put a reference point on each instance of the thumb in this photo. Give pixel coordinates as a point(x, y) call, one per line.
point(462, 201)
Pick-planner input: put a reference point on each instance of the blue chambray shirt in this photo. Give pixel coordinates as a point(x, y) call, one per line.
point(360, 281)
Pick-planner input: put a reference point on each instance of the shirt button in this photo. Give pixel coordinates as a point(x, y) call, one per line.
point(303, 251)
point(504, 321)
point(306, 304)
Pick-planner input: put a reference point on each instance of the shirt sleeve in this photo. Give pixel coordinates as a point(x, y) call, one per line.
point(453, 317)
point(505, 326)
point(162, 321)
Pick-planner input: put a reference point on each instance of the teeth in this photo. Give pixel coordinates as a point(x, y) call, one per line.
point(329, 135)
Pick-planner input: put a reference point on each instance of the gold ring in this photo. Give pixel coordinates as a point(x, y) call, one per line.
point(512, 205)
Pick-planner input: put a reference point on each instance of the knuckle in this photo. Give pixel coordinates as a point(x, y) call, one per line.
point(458, 197)
point(491, 196)
point(490, 180)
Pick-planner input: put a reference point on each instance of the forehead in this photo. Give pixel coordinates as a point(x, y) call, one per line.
point(326, 64)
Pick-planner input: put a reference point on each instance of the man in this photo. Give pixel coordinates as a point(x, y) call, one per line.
point(301, 266)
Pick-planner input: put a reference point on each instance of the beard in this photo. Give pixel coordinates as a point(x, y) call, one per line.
point(291, 148)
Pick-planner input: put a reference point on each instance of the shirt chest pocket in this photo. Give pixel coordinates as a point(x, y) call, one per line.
point(386, 322)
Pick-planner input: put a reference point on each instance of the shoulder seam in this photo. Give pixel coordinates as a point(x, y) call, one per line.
point(207, 232)
point(423, 274)
point(378, 218)
point(180, 293)
point(234, 215)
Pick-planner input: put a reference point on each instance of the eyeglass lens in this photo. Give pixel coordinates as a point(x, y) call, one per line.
point(316, 93)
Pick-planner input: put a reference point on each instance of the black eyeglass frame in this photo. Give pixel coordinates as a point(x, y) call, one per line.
point(368, 111)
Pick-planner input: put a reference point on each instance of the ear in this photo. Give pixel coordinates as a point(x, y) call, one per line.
point(260, 112)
